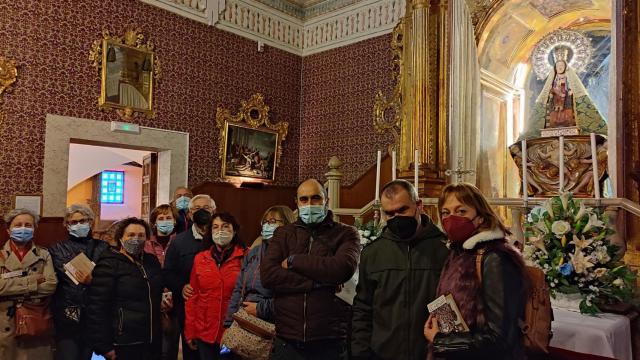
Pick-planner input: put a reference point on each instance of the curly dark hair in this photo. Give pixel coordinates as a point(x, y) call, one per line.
point(122, 225)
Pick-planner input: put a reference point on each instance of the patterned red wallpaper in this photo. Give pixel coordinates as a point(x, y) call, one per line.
point(338, 91)
point(202, 68)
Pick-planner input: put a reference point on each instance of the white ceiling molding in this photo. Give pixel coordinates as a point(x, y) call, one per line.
point(205, 11)
point(256, 21)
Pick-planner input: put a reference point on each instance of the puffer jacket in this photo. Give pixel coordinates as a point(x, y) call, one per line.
point(397, 279)
point(253, 289)
point(503, 302)
point(123, 303)
point(212, 288)
point(323, 256)
point(69, 299)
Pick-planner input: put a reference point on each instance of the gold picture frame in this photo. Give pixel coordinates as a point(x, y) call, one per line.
point(250, 144)
point(8, 75)
point(129, 70)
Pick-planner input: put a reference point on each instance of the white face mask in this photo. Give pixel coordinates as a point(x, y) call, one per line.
point(222, 238)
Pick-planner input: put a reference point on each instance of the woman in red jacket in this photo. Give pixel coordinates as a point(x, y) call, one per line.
point(213, 278)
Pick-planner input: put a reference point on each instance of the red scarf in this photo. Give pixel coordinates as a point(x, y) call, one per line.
point(20, 254)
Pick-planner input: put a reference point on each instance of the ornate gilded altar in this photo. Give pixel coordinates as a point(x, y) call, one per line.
point(543, 165)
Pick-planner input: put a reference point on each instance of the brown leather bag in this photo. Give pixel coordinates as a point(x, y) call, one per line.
point(538, 314)
point(33, 319)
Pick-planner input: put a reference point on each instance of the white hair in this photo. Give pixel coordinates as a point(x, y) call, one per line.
point(78, 208)
point(17, 212)
point(202, 196)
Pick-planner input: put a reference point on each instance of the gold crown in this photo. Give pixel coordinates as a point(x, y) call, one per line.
point(561, 53)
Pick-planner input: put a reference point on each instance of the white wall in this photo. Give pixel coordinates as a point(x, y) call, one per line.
point(132, 196)
point(88, 160)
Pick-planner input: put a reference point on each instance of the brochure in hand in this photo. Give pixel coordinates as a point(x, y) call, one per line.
point(448, 314)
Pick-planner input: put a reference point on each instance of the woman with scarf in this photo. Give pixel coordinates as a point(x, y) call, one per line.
point(491, 303)
point(213, 279)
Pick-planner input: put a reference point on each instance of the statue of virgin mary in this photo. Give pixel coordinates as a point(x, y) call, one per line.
point(564, 102)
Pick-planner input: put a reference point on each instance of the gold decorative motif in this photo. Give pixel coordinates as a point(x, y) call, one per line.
point(481, 12)
point(127, 84)
point(253, 114)
point(387, 112)
point(543, 170)
point(8, 75)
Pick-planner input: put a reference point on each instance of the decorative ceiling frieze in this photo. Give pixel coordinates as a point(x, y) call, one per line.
point(325, 24)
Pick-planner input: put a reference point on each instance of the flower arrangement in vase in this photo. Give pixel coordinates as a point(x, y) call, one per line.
point(570, 243)
point(369, 232)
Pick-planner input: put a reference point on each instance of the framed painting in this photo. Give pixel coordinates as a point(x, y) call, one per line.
point(250, 153)
point(250, 144)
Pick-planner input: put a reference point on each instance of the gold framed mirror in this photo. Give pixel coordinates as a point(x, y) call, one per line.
point(8, 74)
point(250, 144)
point(128, 69)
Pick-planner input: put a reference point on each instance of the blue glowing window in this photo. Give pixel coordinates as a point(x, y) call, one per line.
point(112, 187)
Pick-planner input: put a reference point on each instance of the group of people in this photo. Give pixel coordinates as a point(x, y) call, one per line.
point(181, 277)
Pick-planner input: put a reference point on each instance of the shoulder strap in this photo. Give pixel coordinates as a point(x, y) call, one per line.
point(479, 255)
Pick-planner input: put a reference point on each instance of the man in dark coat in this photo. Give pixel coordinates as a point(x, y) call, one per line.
point(304, 265)
point(179, 259)
point(398, 277)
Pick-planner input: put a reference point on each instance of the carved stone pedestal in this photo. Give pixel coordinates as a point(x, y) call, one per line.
point(543, 160)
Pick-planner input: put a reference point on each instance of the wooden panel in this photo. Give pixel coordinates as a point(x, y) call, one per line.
point(247, 204)
point(362, 191)
point(50, 230)
point(149, 184)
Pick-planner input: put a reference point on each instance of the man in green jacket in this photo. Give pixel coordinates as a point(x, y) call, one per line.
point(399, 276)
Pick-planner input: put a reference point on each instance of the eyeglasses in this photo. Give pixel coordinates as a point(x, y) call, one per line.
point(273, 221)
point(76, 222)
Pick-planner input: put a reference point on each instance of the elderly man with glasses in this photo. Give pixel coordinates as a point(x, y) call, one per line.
point(179, 259)
point(69, 304)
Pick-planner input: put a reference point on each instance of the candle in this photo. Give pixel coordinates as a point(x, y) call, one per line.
point(561, 164)
point(393, 165)
point(594, 160)
point(416, 167)
point(377, 195)
point(525, 191)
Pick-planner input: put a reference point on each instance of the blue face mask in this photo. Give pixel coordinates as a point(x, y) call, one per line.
point(165, 227)
point(182, 203)
point(79, 230)
point(312, 214)
point(268, 230)
point(21, 234)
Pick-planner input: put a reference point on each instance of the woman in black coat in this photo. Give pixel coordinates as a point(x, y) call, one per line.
point(123, 314)
point(69, 304)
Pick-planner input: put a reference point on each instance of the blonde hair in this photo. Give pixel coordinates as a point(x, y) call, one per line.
point(471, 196)
point(284, 211)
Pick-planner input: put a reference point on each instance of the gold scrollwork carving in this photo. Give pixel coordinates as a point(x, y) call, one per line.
point(255, 114)
point(128, 69)
point(387, 112)
point(481, 12)
point(8, 75)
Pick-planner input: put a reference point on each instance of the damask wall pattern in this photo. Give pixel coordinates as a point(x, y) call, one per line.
point(202, 67)
point(338, 92)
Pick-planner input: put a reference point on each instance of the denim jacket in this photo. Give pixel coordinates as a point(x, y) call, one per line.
point(254, 291)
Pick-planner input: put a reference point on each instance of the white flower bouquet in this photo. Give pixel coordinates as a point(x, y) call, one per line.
point(368, 232)
point(570, 243)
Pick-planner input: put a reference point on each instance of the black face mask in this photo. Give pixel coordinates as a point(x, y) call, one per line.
point(202, 217)
point(403, 227)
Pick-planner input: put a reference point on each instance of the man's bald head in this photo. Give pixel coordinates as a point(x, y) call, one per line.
point(311, 192)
